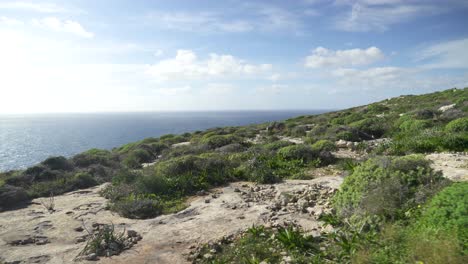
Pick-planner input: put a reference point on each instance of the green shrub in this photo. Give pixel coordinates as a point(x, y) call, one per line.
point(57, 163)
point(275, 145)
point(424, 114)
point(324, 145)
point(188, 174)
point(458, 125)
point(448, 211)
point(138, 206)
point(83, 180)
point(348, 135)
point(132, 162)
point(298, 152)
point(136, 157)
point(259, 169)
point(376, 108)
point(387, 186)
point(92, 157)
point(105, 242)
point(455, 142)
point(216, 141)
point(428, 140)
point(414, 125)
point(298, 131)
point(373, 127)
point(125, 176)
point(157, 147)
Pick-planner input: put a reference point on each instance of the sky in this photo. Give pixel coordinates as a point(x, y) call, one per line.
point(150, 55)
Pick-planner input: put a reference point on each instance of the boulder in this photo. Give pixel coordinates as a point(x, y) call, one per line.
point(446, 107)
point(341, 143)
point(11, 196)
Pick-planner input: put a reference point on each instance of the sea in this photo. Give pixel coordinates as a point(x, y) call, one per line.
point(28, 139)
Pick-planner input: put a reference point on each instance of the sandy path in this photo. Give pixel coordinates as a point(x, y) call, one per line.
point(453, 165)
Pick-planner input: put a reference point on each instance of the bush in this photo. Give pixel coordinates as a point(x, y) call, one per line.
point(455, 142)
point(93, 156)
point(373, 127)
point(324, 145)
point(424, 114)
point(428, 140)
point(376, 108)
point(57, 163)
point(11, 196)
point(125, 176)
point(188, 174)
point(275, 145)
point(298, 152)
point(457, 125)
point(138, 206)
point(414, 125)
point(298, 131)
point(136, 157)
point(131, 162)
point(259, 170)
point(83, 180)
point(217, 141)
point(448, 211)
point(387, 186)
point(348, 135)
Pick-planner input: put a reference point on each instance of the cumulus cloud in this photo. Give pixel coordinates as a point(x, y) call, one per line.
point(32, 6)
point(322, 57)
point(58, 25)
point(186, 65)
point(450, 54)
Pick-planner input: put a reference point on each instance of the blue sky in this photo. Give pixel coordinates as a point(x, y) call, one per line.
point(89, 56)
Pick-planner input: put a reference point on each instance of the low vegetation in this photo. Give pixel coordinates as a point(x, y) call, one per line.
point(392, 208)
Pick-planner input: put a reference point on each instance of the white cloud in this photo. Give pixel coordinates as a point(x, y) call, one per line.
point(186, 65)
point(58, 25)
point(33, 6)
point(322, 57)
point(10, 21)
point(273, 19)
point(380, 15)
point(218, 89)
point(450, 54)
point(174, 90)
point(198, 22)
point(246, 17)
point(379, 77)
point(158, 53)
point(272, 89)
point(394, 78)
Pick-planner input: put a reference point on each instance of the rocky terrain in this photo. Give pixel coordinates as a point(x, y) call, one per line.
point(36, 234)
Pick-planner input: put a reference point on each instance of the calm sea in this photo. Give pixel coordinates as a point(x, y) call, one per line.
point(28, 139)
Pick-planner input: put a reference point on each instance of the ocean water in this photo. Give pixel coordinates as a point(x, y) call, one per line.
point(28, 139)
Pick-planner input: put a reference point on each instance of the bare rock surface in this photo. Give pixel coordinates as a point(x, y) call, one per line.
point(35, 235)
point(454, 166)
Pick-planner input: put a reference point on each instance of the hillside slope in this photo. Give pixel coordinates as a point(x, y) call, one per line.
point(387, 187)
